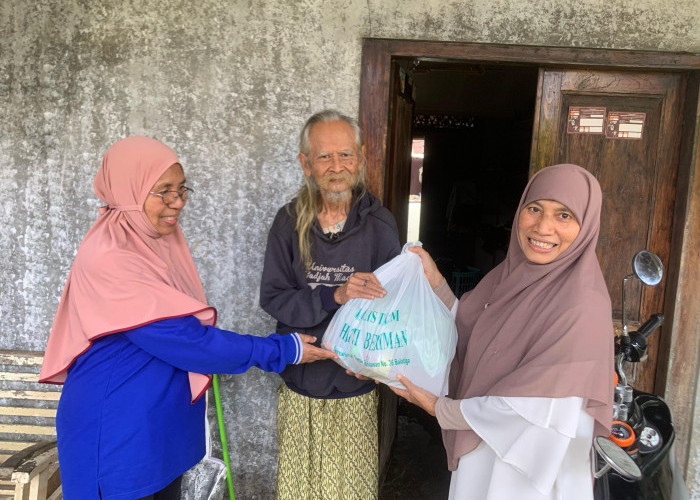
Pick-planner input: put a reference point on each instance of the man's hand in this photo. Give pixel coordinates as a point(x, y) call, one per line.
point(359, 286)
point(312, 353)
point(416, 395)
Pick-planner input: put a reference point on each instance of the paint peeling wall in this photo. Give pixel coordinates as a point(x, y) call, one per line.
point(227, 84)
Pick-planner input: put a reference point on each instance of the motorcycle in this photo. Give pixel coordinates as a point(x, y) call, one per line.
point(636, 462)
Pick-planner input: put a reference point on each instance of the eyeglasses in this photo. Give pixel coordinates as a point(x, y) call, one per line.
point(169, 197)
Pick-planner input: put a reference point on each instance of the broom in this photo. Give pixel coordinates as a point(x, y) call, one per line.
point(222, 434)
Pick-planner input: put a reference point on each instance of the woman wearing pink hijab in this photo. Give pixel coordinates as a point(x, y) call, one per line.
point(532, 379)
point(134, 340)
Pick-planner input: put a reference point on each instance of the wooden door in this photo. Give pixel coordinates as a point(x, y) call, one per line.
point(395, 198)
point(583, 118)
point(398, 169)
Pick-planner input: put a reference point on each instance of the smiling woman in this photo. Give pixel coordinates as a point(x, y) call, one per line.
point(134, 339)
point(531, 383)
point(546, 228)
point(166, 199)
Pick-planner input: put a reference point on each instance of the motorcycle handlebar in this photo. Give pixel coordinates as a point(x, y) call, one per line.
point(650, 325)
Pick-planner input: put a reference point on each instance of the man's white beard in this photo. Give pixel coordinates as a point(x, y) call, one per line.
point(337, 198)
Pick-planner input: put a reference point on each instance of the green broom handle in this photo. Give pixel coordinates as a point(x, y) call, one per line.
point(222, 433)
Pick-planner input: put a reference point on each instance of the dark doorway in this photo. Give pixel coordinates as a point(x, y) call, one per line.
point(475, 121)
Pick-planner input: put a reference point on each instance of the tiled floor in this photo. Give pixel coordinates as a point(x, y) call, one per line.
point(417, 466)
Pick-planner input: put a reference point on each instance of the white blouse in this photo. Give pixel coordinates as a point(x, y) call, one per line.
point(532, 449)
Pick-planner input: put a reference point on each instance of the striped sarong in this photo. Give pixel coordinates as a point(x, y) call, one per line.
point(327, 448)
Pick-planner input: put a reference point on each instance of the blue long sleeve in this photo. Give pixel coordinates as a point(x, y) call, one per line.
point(188, 345)
point(125, 422)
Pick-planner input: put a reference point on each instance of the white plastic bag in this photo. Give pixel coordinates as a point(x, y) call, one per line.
point(408, 331)
point(207, 479)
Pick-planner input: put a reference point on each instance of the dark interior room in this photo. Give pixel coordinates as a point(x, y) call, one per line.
point(476, 160)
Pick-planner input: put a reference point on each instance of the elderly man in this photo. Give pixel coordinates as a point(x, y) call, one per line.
point(321, 250)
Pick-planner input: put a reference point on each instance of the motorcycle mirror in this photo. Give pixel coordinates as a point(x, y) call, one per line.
point(648, 267)
point(615, 458)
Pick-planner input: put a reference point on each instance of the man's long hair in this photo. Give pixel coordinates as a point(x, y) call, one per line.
point(309, 200)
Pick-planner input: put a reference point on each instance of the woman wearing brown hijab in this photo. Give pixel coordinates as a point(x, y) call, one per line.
point(531, 382)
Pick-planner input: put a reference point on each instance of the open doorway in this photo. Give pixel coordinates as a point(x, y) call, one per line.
point(471, 132)
point(476, 124)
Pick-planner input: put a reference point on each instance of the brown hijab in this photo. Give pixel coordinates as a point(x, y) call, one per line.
point(539, 330)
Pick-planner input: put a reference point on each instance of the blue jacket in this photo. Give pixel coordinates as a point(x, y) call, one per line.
point(125, 424)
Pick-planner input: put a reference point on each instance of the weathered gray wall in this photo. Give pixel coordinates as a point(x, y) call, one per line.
point(226, 83)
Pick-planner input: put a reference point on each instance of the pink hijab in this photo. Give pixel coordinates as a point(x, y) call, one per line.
point(540, 330)
point(125, 273)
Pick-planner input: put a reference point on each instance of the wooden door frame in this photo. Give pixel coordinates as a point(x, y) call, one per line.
point(679, 353)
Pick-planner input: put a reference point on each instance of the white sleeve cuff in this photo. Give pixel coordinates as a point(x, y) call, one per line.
point(300, 348)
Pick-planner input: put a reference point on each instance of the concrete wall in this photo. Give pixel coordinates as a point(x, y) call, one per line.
point(227, 84)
